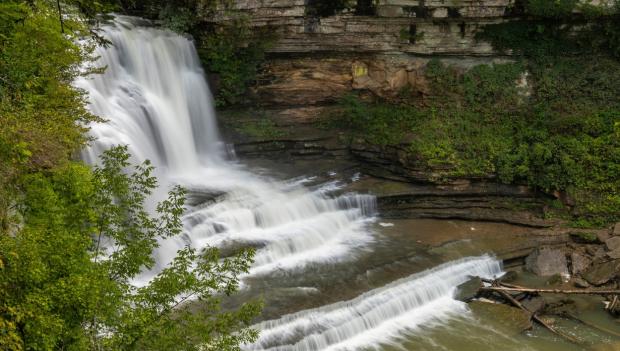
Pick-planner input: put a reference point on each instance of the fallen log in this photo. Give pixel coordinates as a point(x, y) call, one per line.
point(512, 300)
point(500, 283)
point(550, 291)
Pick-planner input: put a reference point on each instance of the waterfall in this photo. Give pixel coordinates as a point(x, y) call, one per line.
point(156, 100)
point(378, 316)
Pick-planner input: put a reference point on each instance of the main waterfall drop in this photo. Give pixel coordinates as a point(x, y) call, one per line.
point(155, 99)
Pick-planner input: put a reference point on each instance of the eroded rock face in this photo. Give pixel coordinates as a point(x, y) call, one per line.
point(613, 243)
point(408, 26)
point(315, 60)
point(317, 81)
point(547, 262)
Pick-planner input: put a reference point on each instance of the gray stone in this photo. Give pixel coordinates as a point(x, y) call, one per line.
point(534, 304)
point(579, 262)
point(511, 319)
point(616, 230)
point(547, 262)
point(468, 290)
point(614, 254)
point(613, 243)
point(599, 274)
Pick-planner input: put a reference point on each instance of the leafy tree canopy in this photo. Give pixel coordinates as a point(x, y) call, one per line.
point(74, 238)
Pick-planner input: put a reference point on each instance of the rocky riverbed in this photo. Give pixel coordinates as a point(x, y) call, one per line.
point(432, 222)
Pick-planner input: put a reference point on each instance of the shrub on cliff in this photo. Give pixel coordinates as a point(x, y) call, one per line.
point(558, 134)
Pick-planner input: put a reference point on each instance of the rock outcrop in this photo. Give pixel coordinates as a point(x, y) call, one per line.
point(547, 262)
point(384, 48)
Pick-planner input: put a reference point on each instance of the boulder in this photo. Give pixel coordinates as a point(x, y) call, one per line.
point(547, 262)
point(579, 262)
point(602, 236)
point(614, 254)
point(599, 253)
point(613, 243)
point(534, 304)
point(511, 319)
point(599, 274)
point(616, 230)
point(468, 290)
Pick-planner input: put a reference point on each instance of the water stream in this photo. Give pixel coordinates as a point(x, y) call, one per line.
point(318, 245)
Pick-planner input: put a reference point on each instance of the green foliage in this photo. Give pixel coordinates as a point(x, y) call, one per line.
point(233, 52)
point(561, 133)
point(554, 30)
point(230, 50)
point(550, 8)
point(40, 112)
point(262, 128)
point(72, 239)
point(66, 279)
point(585, 237)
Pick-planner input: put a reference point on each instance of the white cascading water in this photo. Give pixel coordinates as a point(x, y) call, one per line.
point(378, 316)
point(157, 102)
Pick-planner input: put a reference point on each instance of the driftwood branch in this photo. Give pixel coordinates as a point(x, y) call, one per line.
point(550, 291)
point(500, 283)
point(512, 300)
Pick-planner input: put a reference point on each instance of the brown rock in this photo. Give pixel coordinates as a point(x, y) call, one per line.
point(547, 262)
point(614, 254)
point(616, 230)
point(613, 243)
point(602, 235)
point(579, 262)
point(599, 274)
point(398, 80)
point(468, 290)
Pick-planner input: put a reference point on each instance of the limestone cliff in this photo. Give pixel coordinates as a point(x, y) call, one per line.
point(317, 59)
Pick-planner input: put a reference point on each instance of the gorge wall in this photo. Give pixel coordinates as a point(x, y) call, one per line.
point(315, 60)
point(382, 48)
